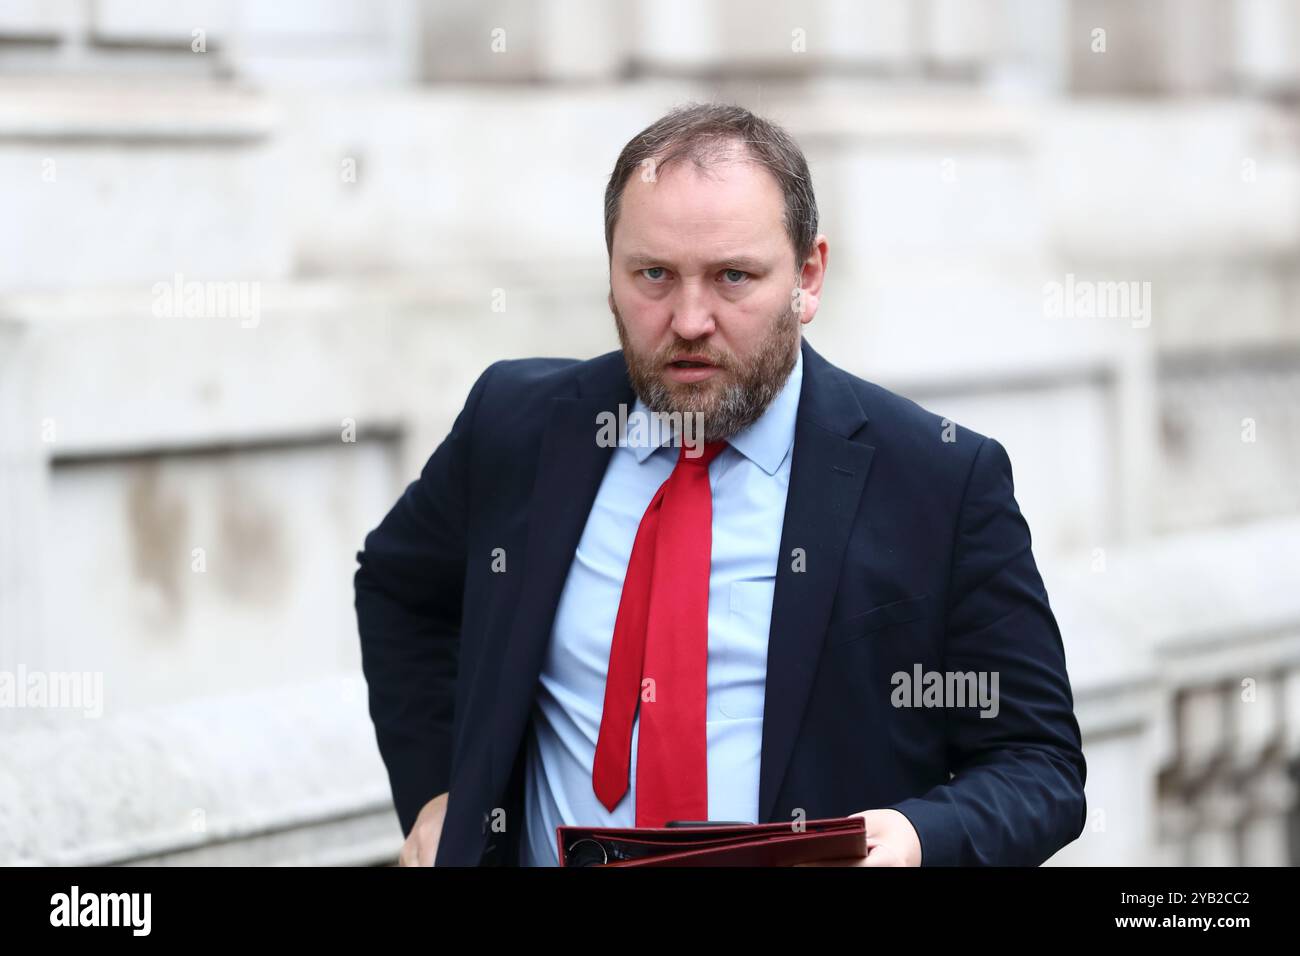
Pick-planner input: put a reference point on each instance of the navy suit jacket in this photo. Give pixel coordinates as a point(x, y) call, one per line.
point(913, 552)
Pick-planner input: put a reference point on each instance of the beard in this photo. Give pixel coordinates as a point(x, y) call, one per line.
point(731, 399)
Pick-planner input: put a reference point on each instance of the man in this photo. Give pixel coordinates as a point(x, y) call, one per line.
point(773, 616)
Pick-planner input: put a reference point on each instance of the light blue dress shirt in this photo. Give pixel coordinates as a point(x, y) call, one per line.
point(749, 481)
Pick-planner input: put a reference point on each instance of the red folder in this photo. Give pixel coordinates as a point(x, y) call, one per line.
point(760, 844)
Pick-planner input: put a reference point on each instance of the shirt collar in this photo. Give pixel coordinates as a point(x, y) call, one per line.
point(766, 441)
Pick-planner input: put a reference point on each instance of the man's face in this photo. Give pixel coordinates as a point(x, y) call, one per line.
point(702, 282)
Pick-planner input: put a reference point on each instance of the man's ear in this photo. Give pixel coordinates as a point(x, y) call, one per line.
point(806, 295)
point(804, 304)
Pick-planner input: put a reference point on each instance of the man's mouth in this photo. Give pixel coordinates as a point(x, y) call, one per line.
point(687, 369)
point(690, 362)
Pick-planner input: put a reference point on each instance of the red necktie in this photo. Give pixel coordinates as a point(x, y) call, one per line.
point(661, 650)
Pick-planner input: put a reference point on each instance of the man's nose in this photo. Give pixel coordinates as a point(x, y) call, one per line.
point(693, 314)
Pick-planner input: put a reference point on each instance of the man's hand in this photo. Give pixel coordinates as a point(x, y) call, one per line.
point(422, 845)
point(891, 841)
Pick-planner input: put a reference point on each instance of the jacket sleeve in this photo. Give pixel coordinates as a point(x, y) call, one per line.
point(1016, 794)
point(408, 595)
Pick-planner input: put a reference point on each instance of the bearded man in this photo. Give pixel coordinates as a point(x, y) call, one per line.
point(713, 624)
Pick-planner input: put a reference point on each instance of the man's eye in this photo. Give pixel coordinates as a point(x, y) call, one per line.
point(658, 270)
point(735, 276)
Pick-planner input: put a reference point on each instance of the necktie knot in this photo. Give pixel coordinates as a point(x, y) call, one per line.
point(697, 454)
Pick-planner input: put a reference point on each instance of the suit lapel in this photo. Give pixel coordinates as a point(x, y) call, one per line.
point(827, 477)
point(569, 471)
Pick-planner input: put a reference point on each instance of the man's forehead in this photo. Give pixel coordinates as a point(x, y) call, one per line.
point(731, 210)
point(736, 183)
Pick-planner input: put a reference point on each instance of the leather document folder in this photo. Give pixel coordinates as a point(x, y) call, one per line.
point(760, 844)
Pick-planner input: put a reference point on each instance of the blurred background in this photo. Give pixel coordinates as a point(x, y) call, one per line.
point(253, 254)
